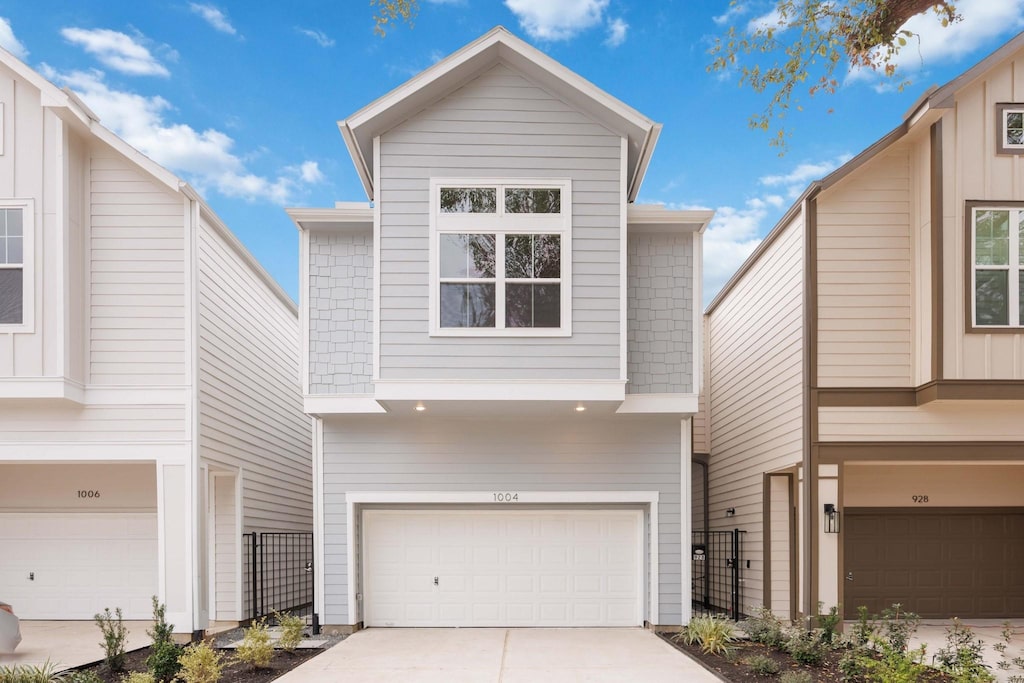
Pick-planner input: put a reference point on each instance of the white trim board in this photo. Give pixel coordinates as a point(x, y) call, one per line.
point(485, 390)
point(526, 498)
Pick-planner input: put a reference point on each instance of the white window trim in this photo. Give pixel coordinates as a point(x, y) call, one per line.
point(1004, 115)
point(501, 223)
point(28, 270)
point(1014, 268)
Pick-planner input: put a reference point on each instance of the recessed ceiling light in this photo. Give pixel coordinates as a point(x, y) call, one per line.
point(580, 407)
point(420, 407)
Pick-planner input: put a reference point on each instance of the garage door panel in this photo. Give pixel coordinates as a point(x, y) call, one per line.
point(531, 568)
point(956, 562)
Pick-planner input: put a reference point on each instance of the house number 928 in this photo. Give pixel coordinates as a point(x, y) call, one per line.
point(506, 497)
point(919, 499)
point(82, 493)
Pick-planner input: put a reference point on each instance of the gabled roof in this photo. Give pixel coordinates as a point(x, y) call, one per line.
point(496, 45)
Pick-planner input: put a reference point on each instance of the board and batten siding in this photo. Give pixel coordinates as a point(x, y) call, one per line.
point(340, 313)
point(137, 278)
point(250, 405)
point(755, 392)
point(385, 453)
point(500, 125)
point(973, 171)
point(660, 313)
point(865, 318)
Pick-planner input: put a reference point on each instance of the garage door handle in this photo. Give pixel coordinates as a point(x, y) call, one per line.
point(849, 576)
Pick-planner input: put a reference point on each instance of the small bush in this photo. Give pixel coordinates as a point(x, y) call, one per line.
point(807, 647)
point(114, 634)
point(895, 666)
point(963, 656)
point(139, 677)
point(81, 677)
point(25, 673)
point(200, 663)
point(256, 649)
point(714, 635)
point(762, 665)
point(292, 628)
point(163, 657)
point(852, 666)
point(796, 677)
point(764, 627)
point(829, 624)
point(897, 626)
point(860, 633)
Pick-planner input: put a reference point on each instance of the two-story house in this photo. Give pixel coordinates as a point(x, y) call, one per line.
point(498, 351)
point(865, 372)
point(150, 410)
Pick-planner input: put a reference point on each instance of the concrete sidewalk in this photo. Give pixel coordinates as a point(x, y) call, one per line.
point(932, 633)
point(66, 644)
point(482, 655)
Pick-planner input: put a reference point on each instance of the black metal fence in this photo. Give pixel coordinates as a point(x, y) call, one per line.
point(716, 564)
point(279, 573)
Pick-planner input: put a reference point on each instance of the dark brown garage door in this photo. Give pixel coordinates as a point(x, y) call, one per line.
point(937, 562)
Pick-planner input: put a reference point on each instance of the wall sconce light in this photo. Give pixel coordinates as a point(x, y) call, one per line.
point(831, 519)
point(730, 512)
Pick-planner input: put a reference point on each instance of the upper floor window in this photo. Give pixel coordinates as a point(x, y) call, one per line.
point(1010, 128)
point(13, 238)
point(997, 272)
point(500, 258)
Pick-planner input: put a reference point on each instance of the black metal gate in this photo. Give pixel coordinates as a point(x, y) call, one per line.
point(279, 573)
point(717, 556)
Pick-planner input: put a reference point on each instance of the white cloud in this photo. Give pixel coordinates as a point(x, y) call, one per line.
point(735, 10)
point(557, 19)
point(214, 17)
point(116, 50)
point(772, 19)
point(983, 24)
point(10, 42)
point(206, 159)
point(616, 32)
point(322, 39)
point(796, 180)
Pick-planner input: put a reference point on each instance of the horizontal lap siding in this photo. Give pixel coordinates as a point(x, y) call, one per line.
point(499, 126)
point(27, 423)
point(938, 421)
point(755, 392)
point(660, 305)
point(250, 407)
point(340, 313)
point(382, 453)
point(136, 278)
point(865, 295)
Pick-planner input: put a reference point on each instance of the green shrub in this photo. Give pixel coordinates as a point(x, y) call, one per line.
point(895, 666)
point(807, 647)
point(200, 663)
point(163, 656)
point(762, 665)
point(139, 677)
point(897, 626)
point(713, 635)
point(114, 634)
point(962, 657)
point(25, 673)
point(292, 628)
point(860, 633)
point(852, 666)
point(829, 624)
point(764, 627)
point(81, 677)
point(796, 677)
point(256, 649)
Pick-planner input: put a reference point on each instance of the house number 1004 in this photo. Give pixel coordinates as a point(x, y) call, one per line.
point(88, 494)
point(506, 497)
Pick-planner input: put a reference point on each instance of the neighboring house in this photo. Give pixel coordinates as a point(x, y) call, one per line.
point(499, 355)
point(869, 359)
point(150, 410)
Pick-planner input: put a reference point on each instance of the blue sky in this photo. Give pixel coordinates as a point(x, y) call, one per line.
point(242, 98)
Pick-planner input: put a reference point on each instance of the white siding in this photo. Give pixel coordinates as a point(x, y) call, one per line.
point(754, 390)
point(137, 278)
point(385, 453)
point(937, 421)
point(865, 326)
point(499, 125)
point(250, 407)
point(66, 422)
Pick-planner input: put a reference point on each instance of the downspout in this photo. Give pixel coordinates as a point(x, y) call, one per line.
point(809, 597)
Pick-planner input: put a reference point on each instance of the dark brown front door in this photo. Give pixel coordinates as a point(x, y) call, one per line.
point(937, 562)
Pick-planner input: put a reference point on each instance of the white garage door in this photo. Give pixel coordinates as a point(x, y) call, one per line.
point(503, 568)
point(79, 564)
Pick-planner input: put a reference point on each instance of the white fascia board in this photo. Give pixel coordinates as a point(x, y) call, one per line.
point(352, 144)
point(478, 497)
point(42, 388)
point(484, 390)
point(341, 405)
point(678, 404)
point(69, 390)
point(643, 160)
point(350, 217)
point(656, 218)
point(100, 451)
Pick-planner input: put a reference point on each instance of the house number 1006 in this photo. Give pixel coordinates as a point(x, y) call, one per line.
point(506, 497)
point(88, 494)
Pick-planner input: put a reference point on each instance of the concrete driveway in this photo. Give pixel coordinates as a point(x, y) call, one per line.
point(483, 655)
point(69, 643)
point(932, 634)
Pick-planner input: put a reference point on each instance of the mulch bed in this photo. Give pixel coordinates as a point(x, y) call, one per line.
point(234, 672)
point(734, 670)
